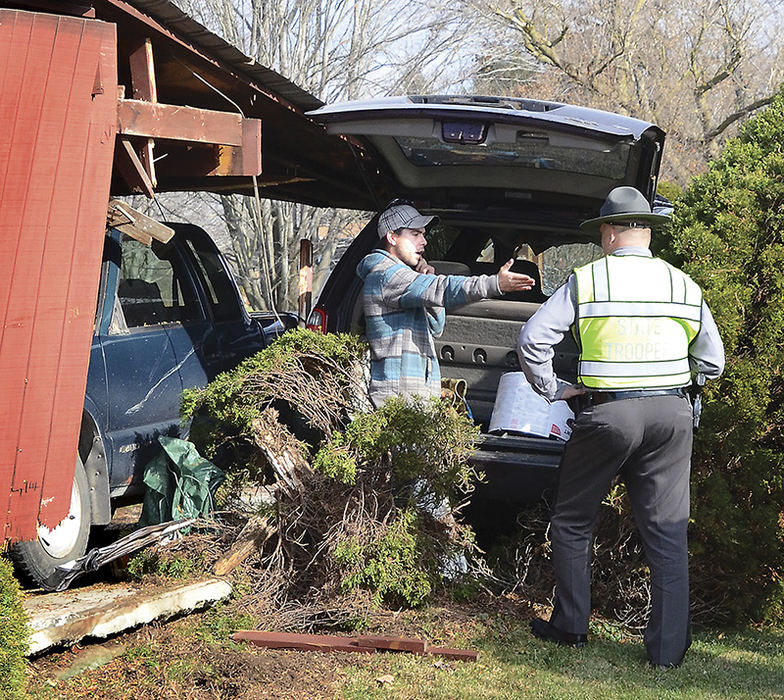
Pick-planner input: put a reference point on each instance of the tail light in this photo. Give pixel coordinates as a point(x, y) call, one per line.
point(317, 321)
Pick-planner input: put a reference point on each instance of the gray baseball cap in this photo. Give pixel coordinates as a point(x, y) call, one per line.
point(401, 215)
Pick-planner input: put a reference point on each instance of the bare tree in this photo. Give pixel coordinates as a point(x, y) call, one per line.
point(338, 50)
point(696, 70)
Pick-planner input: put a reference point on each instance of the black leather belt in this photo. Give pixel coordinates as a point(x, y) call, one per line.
point(600, 397)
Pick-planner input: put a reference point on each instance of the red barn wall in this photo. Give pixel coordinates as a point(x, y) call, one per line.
point(58, 120)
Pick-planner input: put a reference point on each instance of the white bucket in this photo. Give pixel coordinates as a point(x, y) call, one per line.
point(519, 409)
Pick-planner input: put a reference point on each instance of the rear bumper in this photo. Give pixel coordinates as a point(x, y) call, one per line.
point(519, 470)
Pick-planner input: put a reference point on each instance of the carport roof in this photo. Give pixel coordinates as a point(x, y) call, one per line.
point(189, 66)
point(171, 16)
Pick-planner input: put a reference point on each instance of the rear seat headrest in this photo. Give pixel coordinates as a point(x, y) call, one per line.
point(450, 267)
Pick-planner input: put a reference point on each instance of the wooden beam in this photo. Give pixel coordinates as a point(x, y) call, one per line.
point(303, 642)
point(251, 539)
point(245, 159)
point(144, 87)
point(142, 67)
point(131, 169)
point(305, 286)
point(143, 228)
point(162, 121)
point(367, 644)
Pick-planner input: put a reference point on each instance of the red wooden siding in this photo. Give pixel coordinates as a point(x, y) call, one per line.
point(58, 111)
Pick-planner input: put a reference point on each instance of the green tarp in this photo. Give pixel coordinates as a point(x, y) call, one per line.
point(180, 483)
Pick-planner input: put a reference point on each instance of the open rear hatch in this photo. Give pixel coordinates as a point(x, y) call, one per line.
point(499, 160)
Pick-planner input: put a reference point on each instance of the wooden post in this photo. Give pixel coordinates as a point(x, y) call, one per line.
point(305, 280)
point(145, 88)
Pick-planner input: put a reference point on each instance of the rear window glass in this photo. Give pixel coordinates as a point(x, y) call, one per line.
point(440, 238)
point(557, 263)
point(150, 287)
point(530, 150)
point(217, 284)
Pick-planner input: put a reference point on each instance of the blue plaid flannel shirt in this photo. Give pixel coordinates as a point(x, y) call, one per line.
point(404, 312)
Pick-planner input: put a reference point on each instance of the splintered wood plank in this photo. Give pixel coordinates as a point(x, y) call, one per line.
point(131, 168)
point(304, 642)
point(252, 537)
point(143, 228)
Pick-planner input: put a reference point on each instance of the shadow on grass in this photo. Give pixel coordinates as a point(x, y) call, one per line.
point(748, 663)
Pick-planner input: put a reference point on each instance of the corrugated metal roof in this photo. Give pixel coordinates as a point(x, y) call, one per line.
point(188, 29)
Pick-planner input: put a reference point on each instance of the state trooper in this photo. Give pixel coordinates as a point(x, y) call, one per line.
point(644, 332)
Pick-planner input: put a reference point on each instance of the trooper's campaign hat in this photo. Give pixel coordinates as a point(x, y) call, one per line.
point(625, 206)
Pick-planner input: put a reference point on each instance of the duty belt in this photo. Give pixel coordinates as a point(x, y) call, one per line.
point(600, 397)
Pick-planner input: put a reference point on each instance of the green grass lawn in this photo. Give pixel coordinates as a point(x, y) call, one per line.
point(195, 658)
point(513, 664)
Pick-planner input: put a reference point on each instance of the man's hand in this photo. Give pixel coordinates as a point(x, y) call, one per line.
point(513, 281)
point(571, 391)
point(424, 268)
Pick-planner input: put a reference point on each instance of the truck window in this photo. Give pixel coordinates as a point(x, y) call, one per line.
point(559, 261)
point(149, 290)
point(216, 282)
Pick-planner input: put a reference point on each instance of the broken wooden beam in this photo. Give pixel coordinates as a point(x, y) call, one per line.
point(131, 168)
point(143, 228)
point(251, 538)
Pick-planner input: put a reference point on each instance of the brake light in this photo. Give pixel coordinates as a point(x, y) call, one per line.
point(317, 321)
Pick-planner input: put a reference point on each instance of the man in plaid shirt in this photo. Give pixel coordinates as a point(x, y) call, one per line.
point(404, 304)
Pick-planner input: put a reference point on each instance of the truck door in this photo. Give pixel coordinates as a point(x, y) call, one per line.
point(154, 300)
point(230, 335)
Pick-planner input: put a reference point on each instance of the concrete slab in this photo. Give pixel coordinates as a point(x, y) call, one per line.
point(102, 610)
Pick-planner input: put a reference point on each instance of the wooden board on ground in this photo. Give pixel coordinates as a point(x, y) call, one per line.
point(366, 644)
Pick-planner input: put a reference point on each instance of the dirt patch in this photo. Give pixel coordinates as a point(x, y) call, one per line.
point(180, 660)
point(194, 657)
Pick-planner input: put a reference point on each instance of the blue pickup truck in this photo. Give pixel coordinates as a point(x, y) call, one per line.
point(169, 317)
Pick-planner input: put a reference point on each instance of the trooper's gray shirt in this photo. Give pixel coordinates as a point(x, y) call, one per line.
point(547, 327)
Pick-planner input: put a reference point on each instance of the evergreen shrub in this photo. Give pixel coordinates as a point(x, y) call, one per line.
point(728, 234)
point(372, 515)
point(13, 635)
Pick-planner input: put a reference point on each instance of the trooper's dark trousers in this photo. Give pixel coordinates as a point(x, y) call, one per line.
point(648, 442)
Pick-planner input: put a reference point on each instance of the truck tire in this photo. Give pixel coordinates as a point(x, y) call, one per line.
point(37, 559)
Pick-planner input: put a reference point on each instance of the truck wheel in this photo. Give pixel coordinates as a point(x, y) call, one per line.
point(38, 558)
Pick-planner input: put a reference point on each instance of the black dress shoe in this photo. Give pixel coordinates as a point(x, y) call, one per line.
point(544, 630)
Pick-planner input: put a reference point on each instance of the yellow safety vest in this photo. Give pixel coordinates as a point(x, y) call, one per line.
point(636, 317)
